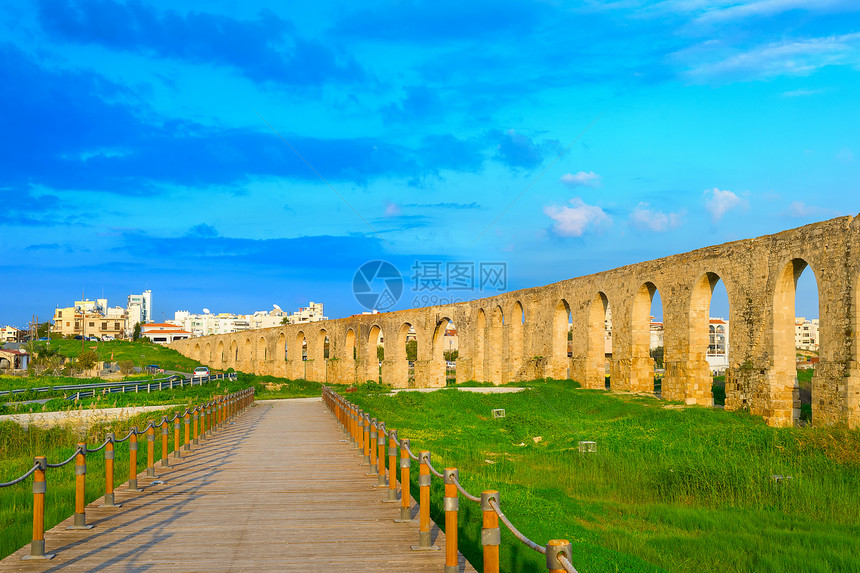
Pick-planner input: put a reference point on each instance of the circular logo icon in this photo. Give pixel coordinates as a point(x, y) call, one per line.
point(377, 285)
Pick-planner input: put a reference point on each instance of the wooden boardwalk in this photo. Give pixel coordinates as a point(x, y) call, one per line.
point(278, 490)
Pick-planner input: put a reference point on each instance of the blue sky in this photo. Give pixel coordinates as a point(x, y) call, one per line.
point(235, 158)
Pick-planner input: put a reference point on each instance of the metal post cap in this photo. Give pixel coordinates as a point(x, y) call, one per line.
point(449, 473)
point(486, 496)
point(554, 549)
point(424, 457)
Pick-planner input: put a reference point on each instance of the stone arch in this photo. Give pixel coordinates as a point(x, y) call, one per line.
point(399, 371)
point(698, 383)
point(262, 353)
point(479, 347)
point(373, 372)
point(561, 323)
point(516, 341)
point(438, 374)
point(784, 389)
point(281, 349)
point(196, 353)
point(641, 363)
point(219, 351)
point(595, 361)
point(495, 346)
point(349, 345)
point(208, 352)
point(247, 351)
point(234, 353)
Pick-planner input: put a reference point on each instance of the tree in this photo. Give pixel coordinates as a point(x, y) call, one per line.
point(43, 330)
point(135, 335)
point(412, 350)
point(125, 366)
point(87, 359)
point(380, 352)
point(285, 320)
point(450, 355)
point(657, 355)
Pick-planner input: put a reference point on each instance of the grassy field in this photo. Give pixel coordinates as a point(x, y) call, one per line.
point(141, 352)
point(670, 488)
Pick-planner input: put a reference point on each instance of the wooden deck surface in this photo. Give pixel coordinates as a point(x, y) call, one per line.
point(278, 490)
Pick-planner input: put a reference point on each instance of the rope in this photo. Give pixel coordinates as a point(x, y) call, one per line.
point(515, 531)
point(22, 478)
point(98, 448)
point(568, 566)
point(130, 432)
point(433, 470)
point(77, 450)
point(409, 451)
point(462, 490)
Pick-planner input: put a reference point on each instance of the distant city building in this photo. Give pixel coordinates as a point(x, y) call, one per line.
point(718, 345)
point(163, 333)
point(90, 318)
point(806, 333)
point(14, 360)
point(9, 334)
point(225, 323)
point(139, 309)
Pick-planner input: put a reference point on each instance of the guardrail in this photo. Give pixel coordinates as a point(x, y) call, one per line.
point(89, 390)
point(208, 418)
point(369, 436)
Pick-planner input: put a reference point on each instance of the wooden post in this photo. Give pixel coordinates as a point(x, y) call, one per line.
point(164, 433)
point(554, 549)
point(187, 430)
point(392, 469)
point(132, 460)
point(150, 450)
point(109, 455)
point(380, 458)
point(196, 425)
point(80, 488)
point(451, 506)
point(37, 546)
point(365, 437)
point(491, 536)
point(177, 440)
point(424, 480)
point(372, 445)
point(405, 496)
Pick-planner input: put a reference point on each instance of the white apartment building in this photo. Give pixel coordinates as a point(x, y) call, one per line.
point(806, 333)
point(9, 334)
point(139, 308)
point(225, 323)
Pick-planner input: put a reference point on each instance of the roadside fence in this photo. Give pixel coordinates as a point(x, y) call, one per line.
point(369, 436)
point(90, 390)
point(209, 417)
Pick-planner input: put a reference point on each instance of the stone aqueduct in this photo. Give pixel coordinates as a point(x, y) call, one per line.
point(522, 335)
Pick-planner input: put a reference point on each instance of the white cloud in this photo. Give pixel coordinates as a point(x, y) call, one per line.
point(391, 209)
point(801, 209)
point(720, 202)
point(575, 221)
point(646, 219)
point(588, 179)
point(747, 9)
point(715, 59)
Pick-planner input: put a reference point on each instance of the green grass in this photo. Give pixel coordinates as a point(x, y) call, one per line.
point(17, 449)
point(676, 489)
point(141, 352)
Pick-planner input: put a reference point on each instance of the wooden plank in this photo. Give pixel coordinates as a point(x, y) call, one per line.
point(278, 489)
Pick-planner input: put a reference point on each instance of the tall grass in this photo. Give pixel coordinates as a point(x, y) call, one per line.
point(670, 487)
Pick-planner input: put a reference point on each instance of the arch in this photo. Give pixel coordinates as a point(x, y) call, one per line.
point(495, 346)
point(349, 346)
point(375, 340)
point(196, 353)
point(702, 354)
point(402, 363)
point(561, 328)
point(317, 350)
point(516, 341)
point(219, 351)
point(282, 346)
point(300, 348)
point(785, 390)
point(262, 353)
point(595, 367)
point(479, 347)
point(208, 352)
point(234, 352)
point(247, 350)
point(446, 374)
point(642, 365)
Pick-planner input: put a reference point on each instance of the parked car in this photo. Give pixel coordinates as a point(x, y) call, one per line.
point(200, 372)
point(107, 337)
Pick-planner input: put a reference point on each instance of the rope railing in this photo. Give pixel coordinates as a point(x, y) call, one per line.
point(215, 413)
point(362, 431)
